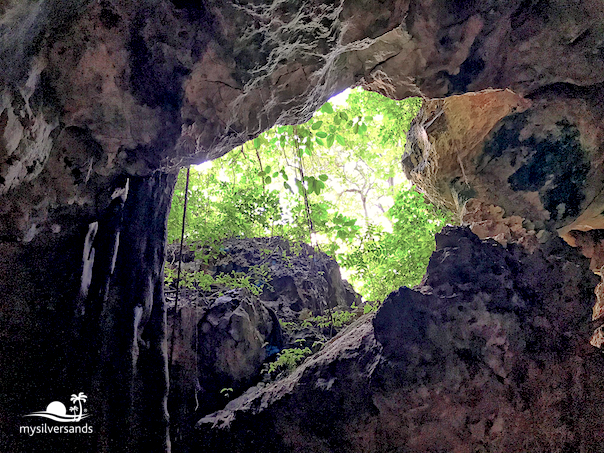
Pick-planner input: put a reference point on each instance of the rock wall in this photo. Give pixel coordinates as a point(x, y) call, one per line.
point(517, 168)
point(97, 97)
point(85, 313)
point(489, 353)
point(221, 338)
point(106, 88)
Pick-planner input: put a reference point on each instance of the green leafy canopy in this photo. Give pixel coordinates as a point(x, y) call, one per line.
point(335, 181)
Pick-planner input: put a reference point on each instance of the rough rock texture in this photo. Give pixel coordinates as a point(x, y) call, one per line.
point(489, 353)
point(299, 276)
point(95, 93)
point(538, 158)
point(96, 89)
point(489, 221)
point(90, 320)
point(222, 338)
point(222, 346)
point(537, 161)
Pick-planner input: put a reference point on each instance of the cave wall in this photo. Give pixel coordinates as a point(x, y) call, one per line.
point(488, 354)
point(102, 101)
point(85, 312)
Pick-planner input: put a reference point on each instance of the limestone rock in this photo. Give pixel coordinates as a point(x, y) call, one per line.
point(101, 102)
point(220, 338)
point(488, 221)
point(298, 276)
point(217, 349)
point(535, 158)
point(490, 353)
point(95, 90)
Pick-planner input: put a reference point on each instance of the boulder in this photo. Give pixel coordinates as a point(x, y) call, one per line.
point(218, 351)
point(297, 276)
point(489, 353)
point(220, 338)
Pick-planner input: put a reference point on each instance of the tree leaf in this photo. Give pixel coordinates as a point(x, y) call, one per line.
point(268, 180)
point(327, 108)
point(319, 142)
point(330, 139)
point(341, 140)
point(321, 134)
point(323, 177)
point(317, 125)
point(299, 185)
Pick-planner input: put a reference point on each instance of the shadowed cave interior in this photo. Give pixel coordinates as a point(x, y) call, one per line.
point(497, 349)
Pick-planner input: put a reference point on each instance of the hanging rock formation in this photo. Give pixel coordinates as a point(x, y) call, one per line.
point(101, 101)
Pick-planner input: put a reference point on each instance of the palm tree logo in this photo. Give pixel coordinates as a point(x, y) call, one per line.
point(79, 398)
point(58, 412)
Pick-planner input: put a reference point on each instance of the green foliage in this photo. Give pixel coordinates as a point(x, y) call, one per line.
point(226, 392)
point(335, 180)
point(289, 325)
point(288, 360)
point(254, 280)
point(371, 307)
point(340, 319)
point(399, 257)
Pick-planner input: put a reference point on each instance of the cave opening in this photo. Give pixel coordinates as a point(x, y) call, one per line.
point(311, 225)
point(102, 102)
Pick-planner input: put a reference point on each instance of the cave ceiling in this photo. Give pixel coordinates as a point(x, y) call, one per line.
point(95, 90)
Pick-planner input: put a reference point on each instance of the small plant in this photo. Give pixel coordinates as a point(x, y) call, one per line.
point(370, 308)
point(169, 275)
point(317, 345)
point(226, 392)
point(340, 319)
point(289, 359)
point(290, 326)
point(204, 281)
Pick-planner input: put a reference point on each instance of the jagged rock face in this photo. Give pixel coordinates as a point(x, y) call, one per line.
point(219, 347)
point(528, 166)
point(220, 338)
point(98, 89)
point(537, 158)
point(489, 353)
point(98, 97)
point(298, 276)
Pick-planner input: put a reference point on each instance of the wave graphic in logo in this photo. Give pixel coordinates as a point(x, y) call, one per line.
point(58, 412)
